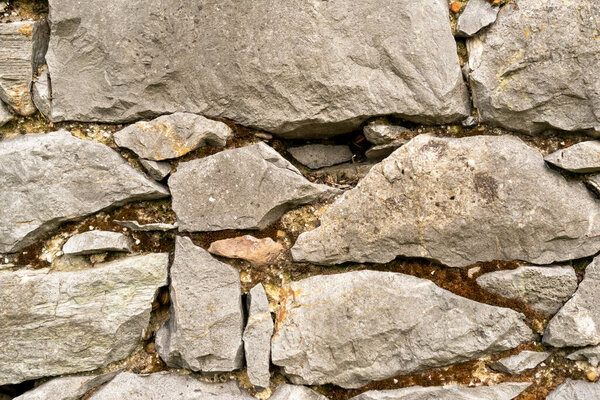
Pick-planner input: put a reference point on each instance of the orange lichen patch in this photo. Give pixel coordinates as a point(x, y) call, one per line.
point(455, 7)
point(21, 99)
point(167, 130)
point(26, 29)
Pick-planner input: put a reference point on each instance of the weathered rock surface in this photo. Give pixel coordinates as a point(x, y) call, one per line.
point(41, 93)
point(477, 15)
point(543, 289)
point(257, 337)
point(581, 157)
point(97, 242)
point(381, 151)
point(525, 360)
point(167, 385)
point(66, 388)
point(589, 354)
point(458, 201)
point(257, 251)
point(244, 188)
point(501, 391)
point(352, 328)
point(204, 331)
point(577, 323)
point(5, 115)
point(172, 136)
point(288, 392)
point(315, 156)
point(158, 170)
point(71, 321)
point(382, 132)
point(533, 69)
point(157, 226)
point(575, 390)
point(319, 69)
point(50, 179)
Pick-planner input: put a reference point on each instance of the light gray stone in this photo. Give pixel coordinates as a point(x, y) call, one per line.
point(501, 391)
point(156, 226)
point(66, 388)
point(352, 328)
point(41, 92)
point(533, 69)
point(382, 132)
point(543, 289)
point(295, 392)
point(168, 385)
point(381, 151)
point(172, 136)
point(204, 331)
point(158, 170)
point(581, 157)
point(97, 242)
point(296, 69)
point(575, 390)
point(593, 182)
point(244, 188)
point(5, 114)
point(525, 360)
point(257, 337)
point(53, 178)
point(589, 354)
point(316, 156)
point(477, 15)
point(65, 322)
point(458, 201)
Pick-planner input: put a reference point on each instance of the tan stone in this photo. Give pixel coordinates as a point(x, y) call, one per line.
point(249, 248)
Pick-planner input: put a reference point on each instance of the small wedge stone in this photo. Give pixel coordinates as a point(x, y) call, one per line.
point(257, 251)
point(381, 132)
point(582, 157)
point(315, 156)
point(477, 15)
point(158, 170)
point(97, 242)
point(501, 391)
point(525, 360)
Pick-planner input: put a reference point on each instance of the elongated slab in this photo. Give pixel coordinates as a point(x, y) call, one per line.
point(502, 391)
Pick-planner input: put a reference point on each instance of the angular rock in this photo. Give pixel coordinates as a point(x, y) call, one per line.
point(41, 92)
point(257, 337)
point(543, 289)
point(295, 392)
point(575, 390)
point(157, 226)
point(156, 169)
point(458, 201)
point(97, 242)
point(581, 157)
point(167, 385)
point(477, 15)
point(525, 360)
point(589, 354)
point(382, 132)
point(318, 69)
point(257, 251)
point(172, 136)
point(593, 182)
point(532, 70)
point(66, 388)
point(5, 115)
point(501, 391)
point(65, 322)
point(244, 188)
point(381, 151)
point(577, 324)
point(352, 328)
point(315, 156)
point(204, 331)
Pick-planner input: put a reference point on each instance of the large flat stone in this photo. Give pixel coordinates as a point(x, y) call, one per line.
point(502, 391)
point(575, 390)
point(50, 179)
point(458, 201)
point(66, 388)
point(65, 322)
point(297, 69)
point(352, 328)
point(257, 337)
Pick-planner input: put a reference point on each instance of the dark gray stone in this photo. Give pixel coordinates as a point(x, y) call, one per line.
point(581, 157)
point(477, 15)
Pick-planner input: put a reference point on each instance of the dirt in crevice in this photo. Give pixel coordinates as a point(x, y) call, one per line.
point(24, 10)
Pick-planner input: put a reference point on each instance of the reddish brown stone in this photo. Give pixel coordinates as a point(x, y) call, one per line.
point(249, 248)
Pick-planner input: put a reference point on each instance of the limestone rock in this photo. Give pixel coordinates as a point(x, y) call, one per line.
point(525, 360)
point(64, 322)
point(5, 115)
point(381, 132)
point(66, 388)
point(257, 251)
point(458, 201)
point(295, 69)
point(316, 156)
point(167, 385)
point(158, 170)
point(295, 392)
point(589, 354)
point(53, 178)
point(477, 15)
point(575, 390)
point(42, 93)
point(533, 69)
point(172, 136)
point(501, 391)
point(352, 328)
point(244, 188)
point(204, 332)
point(593, 182)
point(257, 337)
point(543, 289)
point(157, 226)
point(581, 157)
point(97, 242)
point(381, 151)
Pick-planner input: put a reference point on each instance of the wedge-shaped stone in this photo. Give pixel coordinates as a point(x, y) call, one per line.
point(204, 331)
point(295, 392)
point(245, 188)
point(66, 388)
point(158, 170)
point(315, 156)
point(97, 242)
point(458, 201)
point(5, 115)
point(257, 337)
point(352, 328)
point(302, 68)
point(575, 390)
point(477, 15)
point(589, 354)
point(534, 68)
point(54, 178)
point(521, 362)
point(155, 226)
point(581, 157)
point(56, 323)
point(258, 251)
point(502, 391)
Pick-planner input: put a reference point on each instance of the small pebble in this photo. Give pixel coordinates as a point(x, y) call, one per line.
point(591, 376)
point(138, 241)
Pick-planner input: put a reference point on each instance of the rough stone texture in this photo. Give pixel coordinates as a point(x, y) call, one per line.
point(167, 385)
point(477, 15)
point(593, 182)
point(315, 156)
point(244, 188)
point(577, 323)
point(458, 201)
point(352, 328)
point(381, 151)
point(172, 136)
point(533, 69)
point(204, 331)
point(515, 365)
point(575, 390)
point(301, 68)
point(257, 251)
point(543, 289)
point(50, 179)
point(97, 242)
point(382, 132)
point(41, 93)
point(257, 337)
point(66, 388)
point(156, 169)
point(589, 354)
point(295, 392)
point(581, 157)
point(501, 391)
point(5, 115)
point(85, 319)
point(157, 226)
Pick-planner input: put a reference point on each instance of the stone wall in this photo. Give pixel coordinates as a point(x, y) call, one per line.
point(299, 200)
